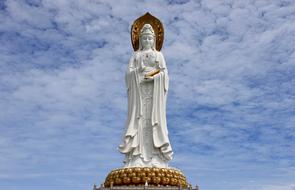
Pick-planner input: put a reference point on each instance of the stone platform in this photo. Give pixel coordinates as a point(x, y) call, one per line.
point(145, 187)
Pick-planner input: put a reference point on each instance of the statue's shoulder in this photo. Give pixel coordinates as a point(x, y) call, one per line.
point(136, 54)
point(159, 53)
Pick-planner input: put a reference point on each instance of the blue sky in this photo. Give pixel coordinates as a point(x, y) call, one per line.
point(231, 103)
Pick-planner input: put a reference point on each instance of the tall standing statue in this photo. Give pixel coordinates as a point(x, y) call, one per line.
point(145, 140)
point(146, 145)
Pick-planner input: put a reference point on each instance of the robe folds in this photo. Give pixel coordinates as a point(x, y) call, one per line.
point(132, 143)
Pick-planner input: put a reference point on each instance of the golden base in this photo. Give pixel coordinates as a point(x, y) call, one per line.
point(138, 176)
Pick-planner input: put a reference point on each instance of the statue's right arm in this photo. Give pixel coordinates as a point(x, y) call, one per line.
point(130, 69)
point(131, 65)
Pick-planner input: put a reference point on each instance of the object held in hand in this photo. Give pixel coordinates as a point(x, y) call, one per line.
point(152, 73)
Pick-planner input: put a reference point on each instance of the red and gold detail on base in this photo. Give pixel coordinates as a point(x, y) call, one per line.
point(137, 176)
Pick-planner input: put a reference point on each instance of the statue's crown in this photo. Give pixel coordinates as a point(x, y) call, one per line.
point(147, 29)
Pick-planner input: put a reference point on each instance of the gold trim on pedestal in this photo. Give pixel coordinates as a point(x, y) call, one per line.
point(138, 176)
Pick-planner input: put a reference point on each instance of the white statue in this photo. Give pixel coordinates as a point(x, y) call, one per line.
point(145, 140)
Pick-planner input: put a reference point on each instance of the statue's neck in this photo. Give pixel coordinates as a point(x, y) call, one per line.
point(147, 49)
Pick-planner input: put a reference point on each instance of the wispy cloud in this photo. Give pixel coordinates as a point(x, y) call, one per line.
point(230, 107)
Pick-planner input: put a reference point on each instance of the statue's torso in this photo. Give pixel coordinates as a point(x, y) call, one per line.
point(148, 59)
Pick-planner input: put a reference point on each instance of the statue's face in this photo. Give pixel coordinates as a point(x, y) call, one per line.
point(147, 41)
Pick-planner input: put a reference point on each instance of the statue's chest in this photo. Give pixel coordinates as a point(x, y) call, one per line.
point(149, 59)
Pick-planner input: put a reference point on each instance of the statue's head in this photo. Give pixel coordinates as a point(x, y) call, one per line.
point(147, 38)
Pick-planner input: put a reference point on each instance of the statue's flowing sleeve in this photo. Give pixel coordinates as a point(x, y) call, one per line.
point(130, 137)
point(160, 132)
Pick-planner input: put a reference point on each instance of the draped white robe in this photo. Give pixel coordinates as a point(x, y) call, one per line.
point(132, 145)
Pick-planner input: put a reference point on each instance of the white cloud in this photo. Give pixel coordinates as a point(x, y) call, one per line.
point(231, 100)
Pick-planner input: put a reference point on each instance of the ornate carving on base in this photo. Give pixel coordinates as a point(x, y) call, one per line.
point(140, 176)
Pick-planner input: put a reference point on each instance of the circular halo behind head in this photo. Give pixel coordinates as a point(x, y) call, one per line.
point(156, 25)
